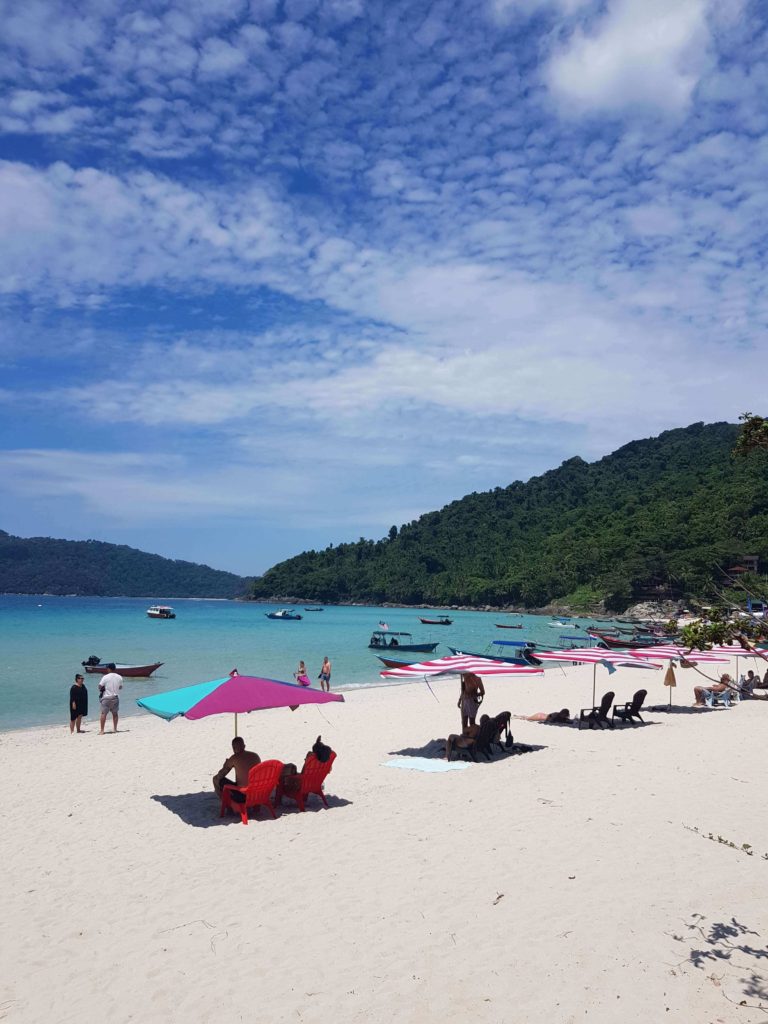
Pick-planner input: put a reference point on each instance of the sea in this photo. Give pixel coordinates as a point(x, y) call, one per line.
point(44, 640)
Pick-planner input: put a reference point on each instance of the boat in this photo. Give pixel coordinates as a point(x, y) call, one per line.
point(283, 613)
point(524, 652)
point(313, 609)
point(562, 625)
point(383, 638)
point(95, 666)
point(615, 643)
point(443, 620)
point(161, 611)
point(509, 625)
point(393, 663)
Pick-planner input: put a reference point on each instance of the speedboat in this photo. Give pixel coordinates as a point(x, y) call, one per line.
point(95, 666)
point(161, 611)
point(283, 613)
point(384, 639)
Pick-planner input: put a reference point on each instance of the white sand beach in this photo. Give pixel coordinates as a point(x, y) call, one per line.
point(561, 885)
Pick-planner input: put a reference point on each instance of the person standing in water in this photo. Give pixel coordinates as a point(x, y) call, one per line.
point(78, 703)
point(300, 675)
point(325, 674)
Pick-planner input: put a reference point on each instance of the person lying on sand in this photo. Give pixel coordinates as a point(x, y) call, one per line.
point(562, 717)
point(241, 762)
point(703, 694)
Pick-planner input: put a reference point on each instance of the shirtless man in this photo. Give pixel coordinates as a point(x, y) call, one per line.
point(470, 699)
point(241, 762)
point(703, 694)
point(325, 674)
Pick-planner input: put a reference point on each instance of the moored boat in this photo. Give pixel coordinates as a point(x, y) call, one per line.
point(318, 609)
point(524, 653)
point(393, 663)
point(98, 667)
point(385, 639)
point(283, 613)
point(443, 620)
point(161, 611)
point(509, 625)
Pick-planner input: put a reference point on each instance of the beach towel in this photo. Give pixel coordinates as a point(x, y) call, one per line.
point(425, 764)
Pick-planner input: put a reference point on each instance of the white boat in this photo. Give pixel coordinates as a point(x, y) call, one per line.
point(563, 625)
point(283, 613)
point(161, 611)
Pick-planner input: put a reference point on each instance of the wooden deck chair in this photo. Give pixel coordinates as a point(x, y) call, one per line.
point(262, 779)
point(598, 717)
point(309, 780)
point(626, 712)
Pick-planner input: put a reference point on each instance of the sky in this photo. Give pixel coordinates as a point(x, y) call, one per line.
point(276, 275)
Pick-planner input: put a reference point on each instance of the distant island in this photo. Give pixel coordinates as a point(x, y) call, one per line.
point(43, 565)
point(658, 518)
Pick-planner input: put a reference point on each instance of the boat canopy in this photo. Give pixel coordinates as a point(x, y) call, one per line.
point(389, 632)
point(514, 643)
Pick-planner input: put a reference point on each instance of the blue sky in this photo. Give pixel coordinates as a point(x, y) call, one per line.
point(276, 275)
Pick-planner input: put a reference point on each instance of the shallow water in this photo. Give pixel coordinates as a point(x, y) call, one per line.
point(44, 639)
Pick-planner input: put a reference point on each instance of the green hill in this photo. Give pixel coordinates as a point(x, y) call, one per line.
point(42, 565)
point(657, 515)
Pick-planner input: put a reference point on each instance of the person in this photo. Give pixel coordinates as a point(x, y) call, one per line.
point(470, 699)
point(748, 683)
point(241, 762)
point(765, 678)
point(109, 691)
point(703, 694)
point(300, 675)
point(78, 703)
point(325, 675)
point(562, 717)
point(290, 777)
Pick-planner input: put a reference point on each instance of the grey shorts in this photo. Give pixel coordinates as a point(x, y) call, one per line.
point(109, 704)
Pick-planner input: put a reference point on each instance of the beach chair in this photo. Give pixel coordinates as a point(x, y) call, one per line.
point(480, 744)
point(626, 712)
point(503, 721)
point(724, 699)
point(262, 779)
point(310, 780)
point(597, 717)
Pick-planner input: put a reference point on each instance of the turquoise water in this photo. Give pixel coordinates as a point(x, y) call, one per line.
point(43, 640)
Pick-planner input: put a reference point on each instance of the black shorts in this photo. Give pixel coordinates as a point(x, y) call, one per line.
point(234, 794)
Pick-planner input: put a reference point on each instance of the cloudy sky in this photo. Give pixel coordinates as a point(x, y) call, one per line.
point(279, 274)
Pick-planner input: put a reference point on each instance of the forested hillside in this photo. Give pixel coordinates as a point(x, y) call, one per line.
point(41, 565)
point(660, 512)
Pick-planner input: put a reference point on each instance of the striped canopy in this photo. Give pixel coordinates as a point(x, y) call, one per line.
point(455, 664)
point(737, 651)
point(670, 652)
point(593, 656)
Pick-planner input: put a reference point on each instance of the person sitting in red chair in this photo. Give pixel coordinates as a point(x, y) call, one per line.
point(241, 762)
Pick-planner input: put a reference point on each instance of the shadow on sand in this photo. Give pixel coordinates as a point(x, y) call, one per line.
point(436, 749)
point(201, 810)
point(733, 949)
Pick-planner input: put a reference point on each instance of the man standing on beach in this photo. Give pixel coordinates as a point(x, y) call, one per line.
point(241, 762)
point(470, 699)
point(325, 675)
point(109, 692)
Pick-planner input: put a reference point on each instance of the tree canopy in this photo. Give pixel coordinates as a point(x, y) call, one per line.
point(656, 517)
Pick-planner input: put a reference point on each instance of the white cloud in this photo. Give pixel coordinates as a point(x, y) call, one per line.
point(642, 53)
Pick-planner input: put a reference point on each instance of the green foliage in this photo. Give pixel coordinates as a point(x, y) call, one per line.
point(41, 565)
point(663, 512)
point(753, 435)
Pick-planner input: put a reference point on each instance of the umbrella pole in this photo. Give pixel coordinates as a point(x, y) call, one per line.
point(594, 677)
point(235, 723)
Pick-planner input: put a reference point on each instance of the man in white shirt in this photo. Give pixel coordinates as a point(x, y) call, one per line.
point(109, 692)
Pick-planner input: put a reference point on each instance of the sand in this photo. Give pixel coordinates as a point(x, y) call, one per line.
point(560, 885)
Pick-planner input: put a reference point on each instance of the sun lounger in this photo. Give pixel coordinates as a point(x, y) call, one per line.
point(725, 698)
point(309, 780)
point(626, 712)
point(480, 744)
point(597, 717)
point(262, 780)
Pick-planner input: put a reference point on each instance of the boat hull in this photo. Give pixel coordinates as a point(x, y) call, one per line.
point(418, 648)
point(506, 625)
point(130, 671)
point(392, 663)
point(436, 622)
point(282, 618)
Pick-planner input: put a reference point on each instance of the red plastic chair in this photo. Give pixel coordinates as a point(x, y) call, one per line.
point(310, 779)
point(262, 779)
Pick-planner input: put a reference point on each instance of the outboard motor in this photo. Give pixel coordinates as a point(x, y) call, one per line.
point(93, 660)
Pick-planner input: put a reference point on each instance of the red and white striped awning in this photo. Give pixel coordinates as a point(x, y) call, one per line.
point(736, 651)
point(593, 656)
point(671, 652)
point(455, 664)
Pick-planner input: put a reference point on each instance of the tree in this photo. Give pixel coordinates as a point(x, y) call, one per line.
point(753, 435)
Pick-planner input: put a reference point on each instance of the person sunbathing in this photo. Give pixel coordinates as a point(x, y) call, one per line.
point(562, 717)
point(703, 694)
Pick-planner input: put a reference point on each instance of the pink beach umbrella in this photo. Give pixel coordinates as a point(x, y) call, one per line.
point(594, 656)
point(234, 695)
